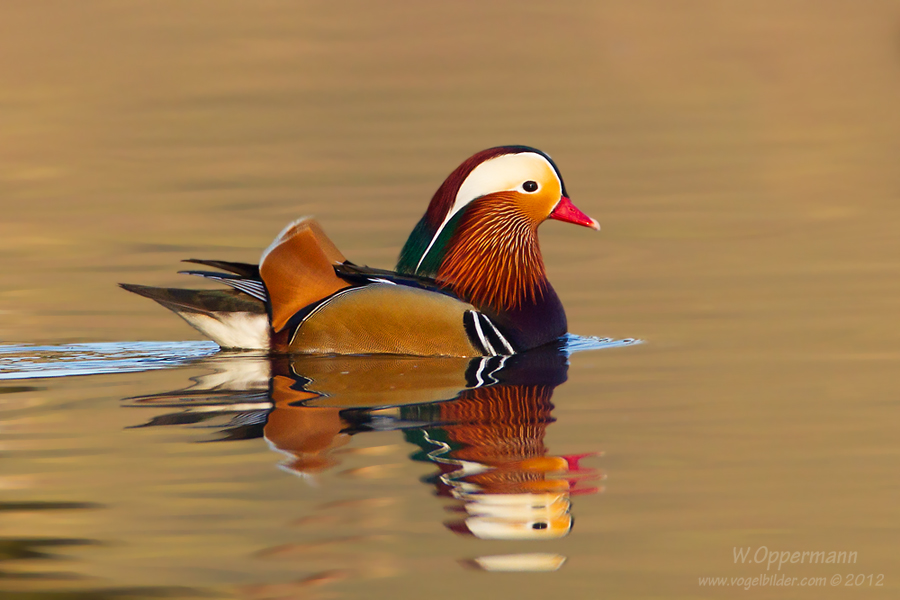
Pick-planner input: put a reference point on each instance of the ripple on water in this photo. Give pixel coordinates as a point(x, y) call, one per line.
point(576, 343)
point(67, 360)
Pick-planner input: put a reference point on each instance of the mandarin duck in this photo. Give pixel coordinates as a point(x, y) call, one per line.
point(470, 280)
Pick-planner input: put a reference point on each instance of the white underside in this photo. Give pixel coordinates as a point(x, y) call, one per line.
point(238, 373)
point(241, 330)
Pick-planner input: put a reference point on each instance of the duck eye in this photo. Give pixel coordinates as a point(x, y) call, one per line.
point(530, 186)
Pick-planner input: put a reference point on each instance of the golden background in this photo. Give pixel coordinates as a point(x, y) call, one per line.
point(743, 159)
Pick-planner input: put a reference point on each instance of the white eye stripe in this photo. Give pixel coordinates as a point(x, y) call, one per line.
point(505, 173)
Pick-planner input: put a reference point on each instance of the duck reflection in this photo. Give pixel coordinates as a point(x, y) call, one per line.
point(481, 422)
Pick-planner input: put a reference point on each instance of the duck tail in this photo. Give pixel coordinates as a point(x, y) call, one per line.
point(230, 318)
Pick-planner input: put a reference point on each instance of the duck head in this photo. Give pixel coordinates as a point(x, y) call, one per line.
point(479, 234)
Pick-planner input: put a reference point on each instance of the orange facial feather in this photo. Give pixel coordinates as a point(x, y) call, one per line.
point(493, 259)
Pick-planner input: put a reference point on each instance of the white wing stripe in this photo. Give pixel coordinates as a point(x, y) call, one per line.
point(250, 287)
point(497, 174)
point(484, 342)
point(502, 339)
point(481, 365)
point(253, 288)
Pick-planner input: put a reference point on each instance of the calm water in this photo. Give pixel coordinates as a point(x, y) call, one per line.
point(742, 159)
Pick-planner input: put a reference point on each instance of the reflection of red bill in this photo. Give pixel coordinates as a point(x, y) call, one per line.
point(583, 491)
point(573, 460)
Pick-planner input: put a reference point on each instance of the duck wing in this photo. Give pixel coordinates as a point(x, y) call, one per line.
point(388, 318)
point(323, 304)
point(245, 270)
point(252, 287)
point(360, 275)
point(298, 270)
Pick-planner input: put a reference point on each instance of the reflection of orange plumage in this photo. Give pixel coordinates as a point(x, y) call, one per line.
point(503, 427)
point(510, 481)
point(529, 475)
point(306, 433)
point(499, 466)
point(555, 464)
point(501, 423)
